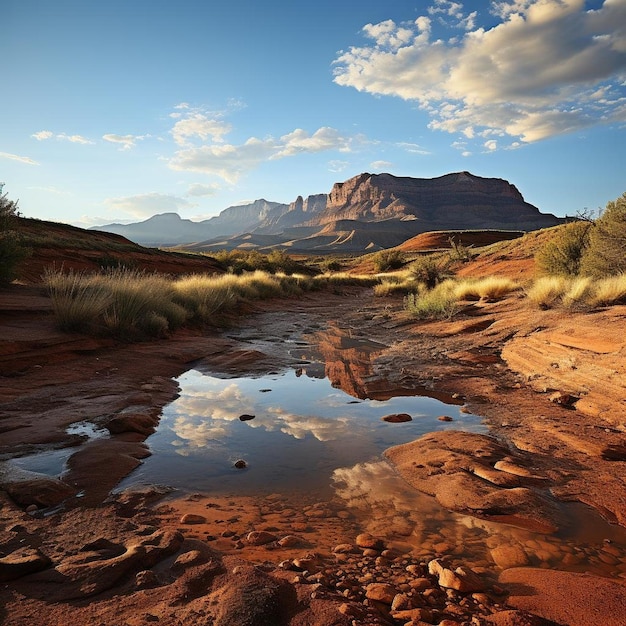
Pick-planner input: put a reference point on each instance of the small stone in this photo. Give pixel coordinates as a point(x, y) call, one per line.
point(344, 548)
point(289, 541)
point(381, 592)
point(146, 579)
point(365, 540)
point(397, 418)
point(260, 537)
point(192, 518)
point(506, 556)
point(240, 464)
point(187, 559)
point(445, 418)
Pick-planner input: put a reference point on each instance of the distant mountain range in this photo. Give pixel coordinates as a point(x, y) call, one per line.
point(366, 213)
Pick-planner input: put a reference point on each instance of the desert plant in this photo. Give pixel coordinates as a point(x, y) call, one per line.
point(458, 251)
point(428, 270)
point(437, 303)
point(606, 253)
point(77, 304)
point(12, 248)
point(563, 254)
point(547, 292)
point(611, 290)
point(386, 260)
point(579, 293)
point(489, 288)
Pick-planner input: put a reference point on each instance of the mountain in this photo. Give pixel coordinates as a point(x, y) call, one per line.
point(169, 229)
point(365, 213)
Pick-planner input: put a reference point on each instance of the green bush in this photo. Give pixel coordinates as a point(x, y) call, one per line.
point(437, 303)
point(386, 260)
point(606, 253)
point(12, 249)
point(428, 271)
point(563, 254)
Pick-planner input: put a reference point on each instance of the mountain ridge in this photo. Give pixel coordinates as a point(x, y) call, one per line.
point(365, 212)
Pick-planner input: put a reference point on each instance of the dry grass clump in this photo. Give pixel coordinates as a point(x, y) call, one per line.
point(546, 292)
point(490, 288)
point(609, 291)
point(75, 302)
point(577, 293)
point(437, 303)
point(134, 305)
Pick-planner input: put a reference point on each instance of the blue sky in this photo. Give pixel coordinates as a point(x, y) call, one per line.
point(118, 110)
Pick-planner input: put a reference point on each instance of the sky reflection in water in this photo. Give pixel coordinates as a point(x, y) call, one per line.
point(303, 430)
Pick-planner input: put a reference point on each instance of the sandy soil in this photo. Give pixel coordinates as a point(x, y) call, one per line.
point(551, 388)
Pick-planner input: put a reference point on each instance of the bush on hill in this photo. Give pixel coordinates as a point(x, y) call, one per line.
point(563, 254)
point(12, 250)
point(606, 253)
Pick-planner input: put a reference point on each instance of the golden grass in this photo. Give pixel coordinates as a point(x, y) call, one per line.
point(580, 292)
point(490, 288)
point(437, 303)
point(609, 291)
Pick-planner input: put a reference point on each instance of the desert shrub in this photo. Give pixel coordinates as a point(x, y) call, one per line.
point(490, 288)
point(203, 296)
point(389, 287)
point(548, 291)
point(563, 254)
point(458, 251)
point(330, 265)
point(606, 253)
point(611, 290)
point(77, 304)
point(386, 260)
point(579, 293)
point(428, 270)
point(437, 303)
point(12, 248)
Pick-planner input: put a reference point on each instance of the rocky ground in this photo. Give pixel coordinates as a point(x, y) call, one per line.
point(550, 387)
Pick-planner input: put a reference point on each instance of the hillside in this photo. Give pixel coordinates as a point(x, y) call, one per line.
point(53, 244)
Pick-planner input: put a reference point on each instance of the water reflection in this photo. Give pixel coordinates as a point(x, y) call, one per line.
point(303, 429)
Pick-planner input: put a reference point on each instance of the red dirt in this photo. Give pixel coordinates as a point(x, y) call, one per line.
point(504, 358)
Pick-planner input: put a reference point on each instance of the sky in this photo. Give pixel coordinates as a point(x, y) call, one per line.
point(119, 110)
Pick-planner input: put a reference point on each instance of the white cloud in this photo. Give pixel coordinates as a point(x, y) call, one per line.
point(549, 67)
point(16, 157)
point(198, 125)
point(198, 189)
point(229, 161)
point(43, 135)
point(413, 148)
point(147, 204)
point(336, 165)
point(381, 165)
point(125, 141)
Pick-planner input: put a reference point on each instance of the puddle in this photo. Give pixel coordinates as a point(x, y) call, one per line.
point(53, 462)
point(292, 429)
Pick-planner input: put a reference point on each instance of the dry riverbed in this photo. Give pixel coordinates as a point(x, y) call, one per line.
point(550, 387)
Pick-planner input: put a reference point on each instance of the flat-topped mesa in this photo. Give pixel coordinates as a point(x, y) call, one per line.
point(459, 200)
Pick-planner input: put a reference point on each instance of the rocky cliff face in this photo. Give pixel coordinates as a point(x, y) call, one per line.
point(384, 211)
point(459, 200)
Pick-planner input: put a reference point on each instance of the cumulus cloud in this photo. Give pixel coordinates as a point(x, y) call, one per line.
point(44, 135)
point(230, 161)
point(147, 204)
point(126, 142)
point(548, 67)
point(17, 157)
